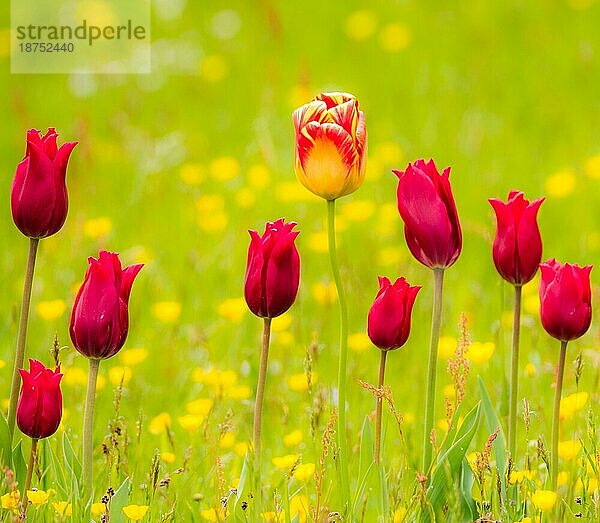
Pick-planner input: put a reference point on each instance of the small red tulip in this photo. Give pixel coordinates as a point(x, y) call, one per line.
point(272, 270)
point(39, 410)
point(100, 317)
point(389, 317)
point(427, 207)
point(517, 248)
point(39, 198)
point(565, 299)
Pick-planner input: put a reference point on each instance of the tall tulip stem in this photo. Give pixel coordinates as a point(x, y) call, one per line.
point(88, 429)
point(379, 407)
point(260, 392)
point(32, 456)
point(556, 416)
point(514, 375)
point(343, 356)
point(436, 322)
point(21, 337)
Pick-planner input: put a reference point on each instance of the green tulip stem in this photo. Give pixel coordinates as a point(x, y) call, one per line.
point(343, 355)
point(260, 392)
point(514, 375)
point(32, 456)
point(436, 323)
point(88, 429)
point(379, 407)
point(21, 338)
point(556, 416)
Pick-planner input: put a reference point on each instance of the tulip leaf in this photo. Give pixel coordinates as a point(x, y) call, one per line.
point(58, 472)
point(118, 501)
point(365, 463)
point(243, 489)
point(19, 464)
point(71, 460)
point(5, 457)
point(448, 470)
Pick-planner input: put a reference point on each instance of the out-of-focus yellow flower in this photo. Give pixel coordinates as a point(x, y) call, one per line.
point(285, 462)
point(387, 223)
point(227, 440)
point(592, 486)
point(96, 228)
point(190, 422)
point(299, 382)
point(562, 478)
point(245, 198)
point(2, 364)
point(449, 391)
point(361, 25)
point(241, 448)
point(233, 309)
point(531, 304)
point(443, 424)
point(390, 154)
point(288, 192)
point(224, 168)
point(135, 512)
point(518, 476)
point(358, 210)
point(399, 515)
point(591, 166)
point(200, 407)
point(215, 377)
point(211, 213)
point(318, 241)
point(359, 342)
point(192, 173)
point(472, 459)
point(479, 352)
point(447, 346)
point(37, 497)
point(10, 500)
point(259, 176)
point(544, 499)
point(98, 509)
point(118, 375)
point(285, 338)
point(281, 323)
point(299, 506)
point(573, 403)
point(561, 184)
point(293, 439)
point(51, 310)
point(167, 311)
point(530, 370)
point(74, 376)
point(324, 293)
point(569, 449)
point(304, 471)
point(168, 457)
point(395, 37)
point(160, 423)
point(214, 68)
point(270, 517)
point(63, 508)
point(237, 392)
point(133, 356)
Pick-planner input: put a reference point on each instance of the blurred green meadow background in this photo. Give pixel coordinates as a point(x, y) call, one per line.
point(173, 167)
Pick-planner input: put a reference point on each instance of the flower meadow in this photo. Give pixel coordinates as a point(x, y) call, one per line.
point(350, 282)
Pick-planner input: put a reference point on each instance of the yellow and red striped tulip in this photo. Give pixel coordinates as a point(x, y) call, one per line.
point(331, 145)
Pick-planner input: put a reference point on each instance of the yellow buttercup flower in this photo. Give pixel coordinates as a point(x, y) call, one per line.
point(304, 471)
point(167, 311)
point(518, 476)
point(160, 423)
point(10, 500)
point(562, 478)
point(63, 508)
point(544, 500)
point(133, 356)
point(399, 515)
point(360, 25)
point(135, 512)
point(192, 173)
point(74, 376)
point(98, 509)
point(561, 184)
point(285, 462)
point(359, 342)
point(245, 198)
point(51, 310)
point(37, 497)
point(447, 346)
point(200, 407)
point(358, 210)
point(299, 382)
point(324, 293)
point(190, 422)
point(530, 370)
point(168, 457)
point(281, 323)
point(237, 392)
point(288, 192)
point(241, 448)
point(573, 403)
point(479, 352)
point(224, 168)
point(96, 228)
point(293, 438)
point(259, 176)
point(390, 256)
point(569, 449)
point(227, 440)
point(395, 37)
point(233, 309)
point(119, 375)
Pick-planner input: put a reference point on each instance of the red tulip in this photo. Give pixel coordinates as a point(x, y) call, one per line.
point(389, 317)
point(100, 318)
point(39, 410)
point(517, 248)
point(272, 270)
point(39, 193)
point(427, 207)
point(565, 299)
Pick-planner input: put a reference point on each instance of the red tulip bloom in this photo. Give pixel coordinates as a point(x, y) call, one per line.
point(517, 248)
point(39, 192)
point(100, 318)
point(272, 270)
point(39, 410)
point(389, 317)
point(427, 207)
point(565, 299)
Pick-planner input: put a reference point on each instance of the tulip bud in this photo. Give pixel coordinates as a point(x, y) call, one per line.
point(39, 410)
point(389, 317)
point(100, 318)
point(272, 270)
point(331, 145)
point(427, 207)
point(39, 192)
point(565, 299)
point(517, 247)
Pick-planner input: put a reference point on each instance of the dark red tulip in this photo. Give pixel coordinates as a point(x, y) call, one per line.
point(517, 248)
point(565, 299)
point(389, 317)
point(272, 270)
point(39, 192)
point(427, 207)
point(39, 410)
point(100, 317)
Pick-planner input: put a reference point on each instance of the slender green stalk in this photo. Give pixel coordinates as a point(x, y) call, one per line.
point(556, 416)
point(260, 392)
point(88, 429)
point(514, 375)
point(379, 408)
point(21, 338)
point(32, 455)
point(343, 356)
point(436, 322)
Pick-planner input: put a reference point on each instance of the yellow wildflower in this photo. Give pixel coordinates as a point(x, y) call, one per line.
point(233, 309)
point(285, 462)
point(293, 438)
point(569, 449)
point(135, 512)
point(361, 25)
point(168, 457)
point(96, 228)
point(304, 471)
point(395, 37)
point(544, 499)
point(118, 375)
point(190, 422)
point(10, 500)
point(200, 407)
point(359, 342)
point(51, 310)
point(479, 352)
point(447, 346)
point(63, 508)
point(133, 356)
point(299, 382)
point(167, 311)
point(324, 293)
point(37, 497)
point(98, 509)
point(561, 184)
point(160, 423)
